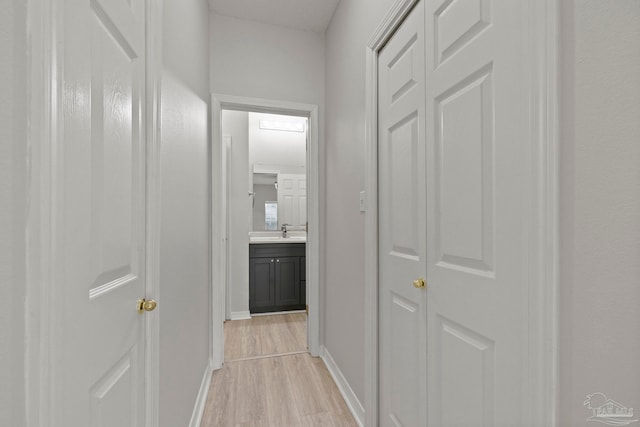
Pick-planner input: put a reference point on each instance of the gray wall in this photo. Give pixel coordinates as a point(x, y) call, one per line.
point(258, 60)
point(265, 61)
point(600, 205)
point(353, 24)
point(184, 258)
point(13, 209)
point(236, 125)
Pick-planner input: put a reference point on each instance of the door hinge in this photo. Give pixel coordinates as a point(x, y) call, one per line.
point(307, 309)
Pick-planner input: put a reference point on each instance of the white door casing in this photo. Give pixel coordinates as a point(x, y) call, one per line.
point(98, 202)
point(292, 200)
point(230, 102)
point(225, 157)
point(402, 225)
point(477, 264)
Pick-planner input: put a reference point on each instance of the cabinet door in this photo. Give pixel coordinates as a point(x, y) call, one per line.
point(262, 292)
point(288, 281)
point(303, 281)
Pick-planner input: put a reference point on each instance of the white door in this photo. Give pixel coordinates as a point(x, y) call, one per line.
point(402, 225)
point(477, 202)
point(98, 348)
point(292, 200)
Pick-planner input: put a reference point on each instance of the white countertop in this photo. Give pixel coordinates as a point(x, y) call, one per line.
point(258, 237)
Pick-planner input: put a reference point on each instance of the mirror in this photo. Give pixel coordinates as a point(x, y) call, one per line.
point(265, 202)
point(279, 198)
point(277, 163)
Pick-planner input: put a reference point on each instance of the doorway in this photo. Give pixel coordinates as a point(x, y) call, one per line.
point(266, 211)
point(260, 108)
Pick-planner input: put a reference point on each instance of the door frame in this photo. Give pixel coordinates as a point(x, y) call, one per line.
point(224, 227)
point(542, 36)
point(231, 102)
point(44, 305)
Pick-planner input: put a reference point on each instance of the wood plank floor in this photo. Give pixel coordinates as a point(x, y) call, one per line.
point(265, 335)
point(271, 389)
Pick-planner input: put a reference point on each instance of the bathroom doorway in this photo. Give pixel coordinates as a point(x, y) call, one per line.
point(265, 239)
point(266, 211)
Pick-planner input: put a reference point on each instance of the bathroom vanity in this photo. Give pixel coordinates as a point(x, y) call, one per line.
point(277, 275)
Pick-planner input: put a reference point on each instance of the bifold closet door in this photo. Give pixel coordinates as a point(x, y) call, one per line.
point(477, 195)
point(402, 225)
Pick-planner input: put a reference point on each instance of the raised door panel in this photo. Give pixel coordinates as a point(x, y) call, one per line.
point(402, 225)
point(262, 290)
point(456, 23)
point(289, 209)
point(292, 200)
point(114, 396)
point(115, 153)
point(468, 377)
point(303, 282)
point(302, 212)
point(288, 281)
point(465, 175)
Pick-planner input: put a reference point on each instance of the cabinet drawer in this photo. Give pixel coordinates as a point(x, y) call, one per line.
point(277, 250)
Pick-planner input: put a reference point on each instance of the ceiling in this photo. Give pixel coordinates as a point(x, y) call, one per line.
point(306, 15)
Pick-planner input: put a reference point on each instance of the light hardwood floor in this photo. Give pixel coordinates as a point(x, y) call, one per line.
point(265, 335)
point(264, 388)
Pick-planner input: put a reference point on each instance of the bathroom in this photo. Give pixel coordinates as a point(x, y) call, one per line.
point(266, 173)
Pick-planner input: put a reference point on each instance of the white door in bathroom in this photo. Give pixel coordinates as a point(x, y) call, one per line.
point(292, 200)
point(98, 198)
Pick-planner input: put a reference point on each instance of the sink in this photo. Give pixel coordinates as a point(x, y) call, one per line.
point(276, 237)
point(303, 238)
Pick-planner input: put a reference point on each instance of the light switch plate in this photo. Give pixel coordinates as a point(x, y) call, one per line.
point(363, 201)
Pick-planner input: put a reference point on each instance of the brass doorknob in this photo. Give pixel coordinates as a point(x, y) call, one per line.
point(419, 283)
point(144, 305)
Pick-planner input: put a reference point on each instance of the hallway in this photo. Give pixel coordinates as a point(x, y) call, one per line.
point(269, 380)
point(494, 146)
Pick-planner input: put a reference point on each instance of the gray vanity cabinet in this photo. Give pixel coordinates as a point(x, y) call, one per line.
point(277, 277)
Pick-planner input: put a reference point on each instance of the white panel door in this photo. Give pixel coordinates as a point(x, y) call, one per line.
point(292, 200)
point(402, 226)
point(99, 211)
point(477, 201)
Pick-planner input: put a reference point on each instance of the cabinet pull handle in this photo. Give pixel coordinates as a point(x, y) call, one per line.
point(271, 260)
point(277, 260)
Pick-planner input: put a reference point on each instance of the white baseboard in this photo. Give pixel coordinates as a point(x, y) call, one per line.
point(345, 389)
point(201, 400)
point(240, 315)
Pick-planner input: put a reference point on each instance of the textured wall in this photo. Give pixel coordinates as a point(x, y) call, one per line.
point(13, 209)
point(256, 60)
point(353, 24)
point(266, 61)
point(600, 205)
point(235, 125)
point(184, 256)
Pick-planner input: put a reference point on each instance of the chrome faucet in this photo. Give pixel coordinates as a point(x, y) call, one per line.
point(284, 229)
